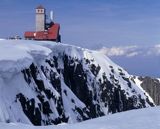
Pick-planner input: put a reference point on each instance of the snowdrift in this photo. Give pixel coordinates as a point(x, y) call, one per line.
point(137, 119)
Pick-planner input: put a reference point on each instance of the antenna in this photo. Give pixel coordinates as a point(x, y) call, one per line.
point(51, 16)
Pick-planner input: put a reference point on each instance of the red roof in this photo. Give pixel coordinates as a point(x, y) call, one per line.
point(29, 34)
point(40, 7)
point(51, 34)
point(41, 35)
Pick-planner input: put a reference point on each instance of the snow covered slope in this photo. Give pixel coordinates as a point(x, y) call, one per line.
point(43, 83)
point(147, 118)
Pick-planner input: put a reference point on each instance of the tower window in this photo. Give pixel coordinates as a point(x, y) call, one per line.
point(40, 10)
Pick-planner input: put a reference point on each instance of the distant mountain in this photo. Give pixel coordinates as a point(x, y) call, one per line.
point(43, 83)
point(151, 86)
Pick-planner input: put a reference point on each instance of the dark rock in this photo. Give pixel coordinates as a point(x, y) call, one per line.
point(152, 87)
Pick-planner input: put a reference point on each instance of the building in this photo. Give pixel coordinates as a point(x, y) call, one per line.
point(44, 31)
point(40, 18)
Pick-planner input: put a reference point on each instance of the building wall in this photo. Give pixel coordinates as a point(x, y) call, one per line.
point(40, 19)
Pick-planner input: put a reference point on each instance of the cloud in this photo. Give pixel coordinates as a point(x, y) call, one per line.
point(128, 51)
point(131, 51)
point(132, 54)
point(155, 50)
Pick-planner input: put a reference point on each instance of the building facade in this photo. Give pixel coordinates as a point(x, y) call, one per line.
point(44, 31)
point(40, 18)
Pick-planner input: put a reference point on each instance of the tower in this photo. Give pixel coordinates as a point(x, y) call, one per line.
point(47, 31)
point(40, 18)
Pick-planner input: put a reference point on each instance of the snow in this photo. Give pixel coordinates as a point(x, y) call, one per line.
point(18, 54)
point(147, 118)
point(68, 104)
point(15, 55)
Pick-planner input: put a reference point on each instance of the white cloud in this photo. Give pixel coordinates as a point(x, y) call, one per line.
point(127, 51)
point(131, 51)
point(132, 54)
point(155, 50)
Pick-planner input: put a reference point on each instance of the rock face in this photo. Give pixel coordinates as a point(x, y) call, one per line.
point(70, 84)
point(152, 87)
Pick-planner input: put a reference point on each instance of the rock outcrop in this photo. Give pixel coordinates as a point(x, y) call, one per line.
point(152, 87)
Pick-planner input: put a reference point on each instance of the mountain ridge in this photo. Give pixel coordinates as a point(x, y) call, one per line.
point(150, 85)
point(62, 83)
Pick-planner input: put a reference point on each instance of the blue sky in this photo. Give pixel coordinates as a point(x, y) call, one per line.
point(89, 23)
point(137, 60)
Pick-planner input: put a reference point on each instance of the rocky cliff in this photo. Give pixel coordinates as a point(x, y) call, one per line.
point(43, 83)
point(152, 87)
